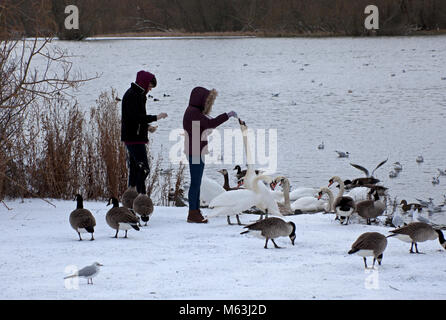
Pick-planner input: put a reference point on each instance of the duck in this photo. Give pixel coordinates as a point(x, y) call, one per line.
point(235, 202)
point(416, 232)
point(82, 220)
point(370, 209)
point(344, 206)
point(128, 196)
point(407, 206)
point(441, 172)
point(435, 180)
point(393, 174)
point(419, 159)
point(397, 166)
point(209, 189)
point(370, 244)
point(143, 206)
point(120, 218)
point(342, 154)
point(226, 186)
point(321, 146)
point(272, 228)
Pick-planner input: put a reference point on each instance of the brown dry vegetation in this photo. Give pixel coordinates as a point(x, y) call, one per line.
point(48, 147)
point(251, 17)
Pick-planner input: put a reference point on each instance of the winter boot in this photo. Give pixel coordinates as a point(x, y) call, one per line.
point(196, 217)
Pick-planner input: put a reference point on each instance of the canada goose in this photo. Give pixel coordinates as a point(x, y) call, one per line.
point(242, 173)
point(128, 196)
point(344, 206)
point(81, 219)
point(419, 159)
point(143, 206)
point(406, 206)
point(226, 186)
point(88, 272)
point(361, 182)
point(370, 209)
point(416, 232)
point(342, 154)
point(370, 244)
point(272, 228)
point(366, 171)
point(235, 202)
point(120, 218)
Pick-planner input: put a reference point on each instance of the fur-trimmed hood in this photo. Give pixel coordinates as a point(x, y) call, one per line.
point(203, 99)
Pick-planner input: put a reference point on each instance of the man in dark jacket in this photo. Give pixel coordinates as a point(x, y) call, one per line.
point(135, 127)
point(196, 124)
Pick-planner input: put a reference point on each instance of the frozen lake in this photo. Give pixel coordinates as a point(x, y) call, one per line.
point(376, 98)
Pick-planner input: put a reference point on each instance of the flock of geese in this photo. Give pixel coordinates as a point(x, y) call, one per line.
point(255, 193)
point(136, 208)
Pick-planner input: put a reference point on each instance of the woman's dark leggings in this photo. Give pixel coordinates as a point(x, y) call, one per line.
point(138, 166)
point(196, 173)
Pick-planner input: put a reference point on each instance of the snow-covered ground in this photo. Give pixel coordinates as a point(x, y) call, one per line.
point(171, 259)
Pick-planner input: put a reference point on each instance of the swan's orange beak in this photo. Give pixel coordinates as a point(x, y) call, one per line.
point(319, 196)
point(272, 185)
point(330, 183)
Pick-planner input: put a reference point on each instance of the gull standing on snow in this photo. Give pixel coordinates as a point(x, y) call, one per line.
point(88, 272)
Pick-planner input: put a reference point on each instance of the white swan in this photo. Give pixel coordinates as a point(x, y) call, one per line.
point(309, 204)
point(209, 190)
point(234, 202)
point(295, 194)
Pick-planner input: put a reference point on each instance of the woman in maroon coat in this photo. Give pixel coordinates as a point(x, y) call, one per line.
point(197, 123)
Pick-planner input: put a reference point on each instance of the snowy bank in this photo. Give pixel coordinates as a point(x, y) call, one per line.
point(171, 259)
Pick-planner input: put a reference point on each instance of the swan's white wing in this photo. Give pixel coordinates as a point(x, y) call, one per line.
point(209, 190)
point(359, 193)
point(303, 192)
point(233, 202)
point(277, 195)
point(308, 204)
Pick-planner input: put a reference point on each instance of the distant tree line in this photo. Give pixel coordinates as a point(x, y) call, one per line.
point(267, 17)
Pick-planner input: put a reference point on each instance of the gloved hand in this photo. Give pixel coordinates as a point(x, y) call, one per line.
point(232, 114)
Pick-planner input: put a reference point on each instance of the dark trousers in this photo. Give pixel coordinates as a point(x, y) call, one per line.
point(196, 173)
point(138, 166)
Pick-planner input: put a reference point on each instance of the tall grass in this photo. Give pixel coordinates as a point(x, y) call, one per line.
point(62, 151)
